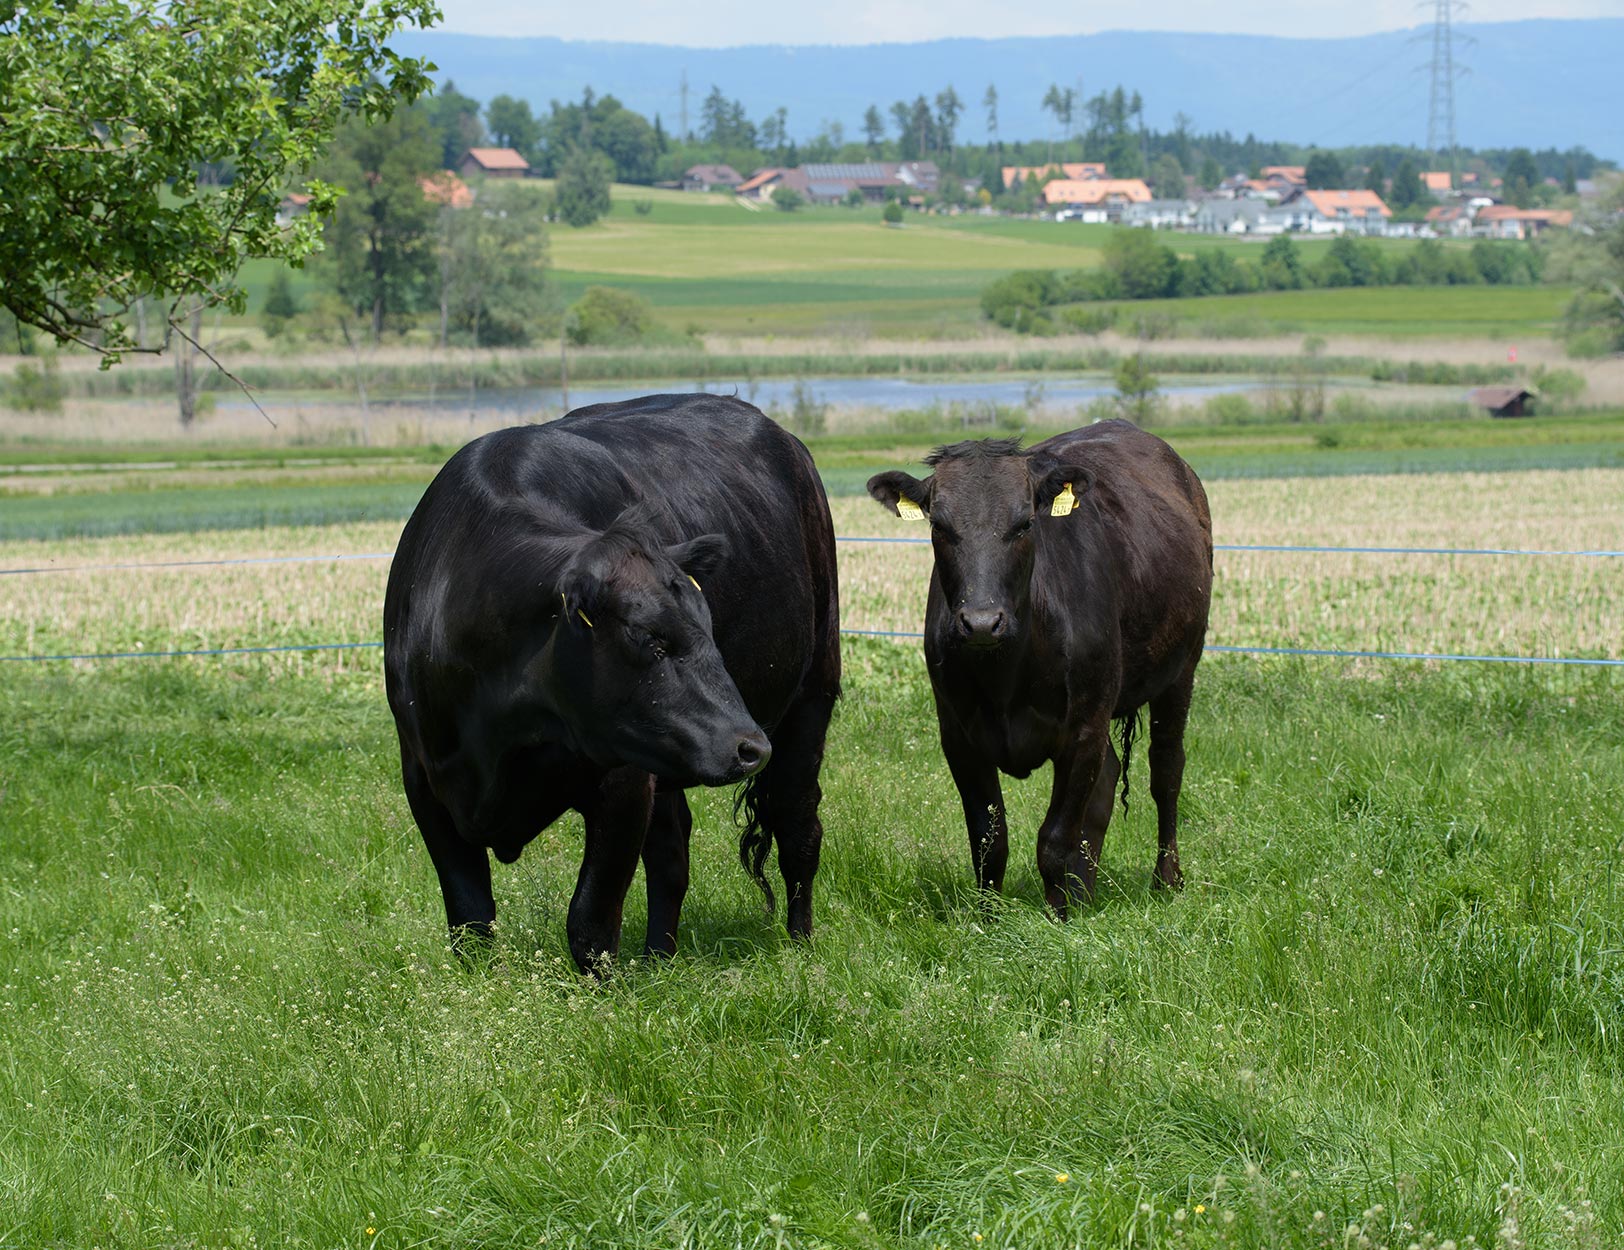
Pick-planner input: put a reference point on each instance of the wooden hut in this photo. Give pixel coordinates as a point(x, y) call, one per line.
point(1505, 401)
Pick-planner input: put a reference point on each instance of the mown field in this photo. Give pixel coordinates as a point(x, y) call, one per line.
point(709, 265)
point(1384, 1011)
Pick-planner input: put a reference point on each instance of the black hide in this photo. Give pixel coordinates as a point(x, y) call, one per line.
point(596, 613)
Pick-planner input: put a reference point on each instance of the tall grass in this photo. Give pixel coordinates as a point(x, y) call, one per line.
point(1384, 1011)
point(397, 375)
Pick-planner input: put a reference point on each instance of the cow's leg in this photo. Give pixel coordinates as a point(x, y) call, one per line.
point(665, 869)
point(983, 799)
point(787, 795)
point(464, 869)
point(1065, 862)
point(1169, 712)
point(617, 820)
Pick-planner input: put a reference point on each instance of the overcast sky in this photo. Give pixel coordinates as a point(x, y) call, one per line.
point(723, 23)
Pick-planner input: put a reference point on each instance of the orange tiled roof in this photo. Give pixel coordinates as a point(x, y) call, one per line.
point(1510, 212)
point(446, 188)
point(1436, 180)
point(1291, 173)
point(757, 179)
point(1077, 171)
point(1095, 190)
point(498, 158)
point(1331, 203)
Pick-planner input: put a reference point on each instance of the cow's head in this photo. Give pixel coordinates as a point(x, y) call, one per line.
point(982, 502)
point(635, 666)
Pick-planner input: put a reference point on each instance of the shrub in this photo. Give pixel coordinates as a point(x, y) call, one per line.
point(35, 387)
point(1558, 386)
point(787, 199)
point(1088, 320)
point(892, 213)
point(607, 317)
point(1144, 267)
point(1231, 409)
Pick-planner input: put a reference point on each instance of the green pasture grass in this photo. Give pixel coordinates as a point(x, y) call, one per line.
point(1502, 312)
point(1389, 997)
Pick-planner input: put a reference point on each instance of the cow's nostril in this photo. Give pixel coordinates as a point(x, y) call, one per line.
point(997, 628)
point(754, 751)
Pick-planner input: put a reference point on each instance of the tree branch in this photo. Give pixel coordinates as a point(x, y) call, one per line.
point(214, 360)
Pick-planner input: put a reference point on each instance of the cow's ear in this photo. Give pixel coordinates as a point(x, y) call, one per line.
point(699, 556)
point(578, 594)
point(891, 488)
point(1050, 478)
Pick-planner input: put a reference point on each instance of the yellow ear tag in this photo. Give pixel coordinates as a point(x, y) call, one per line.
point(908, 510)
point(696, 584)
point(1063, 503)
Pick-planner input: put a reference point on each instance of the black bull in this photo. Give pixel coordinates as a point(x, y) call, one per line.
point(596, 613)
point(1040, 629)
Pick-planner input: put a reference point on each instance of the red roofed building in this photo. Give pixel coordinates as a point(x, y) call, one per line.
point(447, 189)
point(1437, 183)
point(1507, 221)
point(1077, 171)
point(1285, 175)
point(493, 163)
point(1337, 212)
point(1096, 199)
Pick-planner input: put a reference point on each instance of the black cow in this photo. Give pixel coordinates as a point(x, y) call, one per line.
point(1043, 624)
point(597, 613)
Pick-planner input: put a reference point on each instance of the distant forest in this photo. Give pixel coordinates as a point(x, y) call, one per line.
point(1107, 127)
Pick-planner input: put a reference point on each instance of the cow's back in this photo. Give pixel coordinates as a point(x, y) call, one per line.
point(472, 573)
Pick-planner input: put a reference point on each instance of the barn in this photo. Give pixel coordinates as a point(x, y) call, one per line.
point(1505, 401)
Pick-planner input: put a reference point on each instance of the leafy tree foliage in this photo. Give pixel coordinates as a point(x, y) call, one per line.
point(605, 316)
point(379, 257)
point(280, 307)
point(110, 111)
point(1144, 267)
point(583, 186)
point(1282, 265)
point(454, 119)
point(494, 266)
point(1406, 188)
point(1167, 178)
point(1324, 172)
point(512, 126)
point(787, 199)
point(1521, 177)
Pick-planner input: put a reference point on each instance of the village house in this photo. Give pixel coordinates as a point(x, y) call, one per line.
point(711, 178)
point(1437, 183)
point(493, 163)
point(1284, 178)
point(1160, 214)
point(1337, 212)
point(834, 183)
point(294, 204)
point(1452, 221)
point(447, 189)
point(1095, 199)
point(1077, 171)
point(1221, 216)
point(1507, 221)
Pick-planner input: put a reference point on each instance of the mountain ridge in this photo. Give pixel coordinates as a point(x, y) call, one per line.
point(1537, 82)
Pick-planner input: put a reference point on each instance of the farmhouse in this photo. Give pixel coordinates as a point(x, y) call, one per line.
point(1507, 221)
point(1453, 220)
point(1077, 171)
point(294, 204)
point(1437, 183)
point(1505, 401)
point(711, 178)
point(1161, 214)
point(831, 183)
point(1337, 212)
point(493, 163)
point(447, 189)
point(1107, 196)
point(1243, 216)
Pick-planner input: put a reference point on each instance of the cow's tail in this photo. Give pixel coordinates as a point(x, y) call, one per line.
point(1129, 727)
point(754, 841)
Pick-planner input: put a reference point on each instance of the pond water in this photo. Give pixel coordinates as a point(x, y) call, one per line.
point(884, 393)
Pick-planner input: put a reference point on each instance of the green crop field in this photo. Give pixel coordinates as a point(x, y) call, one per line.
point(1385, 1011)
point(707, 263)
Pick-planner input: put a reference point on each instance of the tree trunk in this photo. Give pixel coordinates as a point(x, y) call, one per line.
point(186, 369)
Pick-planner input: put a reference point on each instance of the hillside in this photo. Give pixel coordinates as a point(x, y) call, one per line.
point(1536, 83)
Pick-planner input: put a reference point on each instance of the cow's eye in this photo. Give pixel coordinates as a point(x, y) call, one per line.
point(1023, 528)
point(940, 529)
